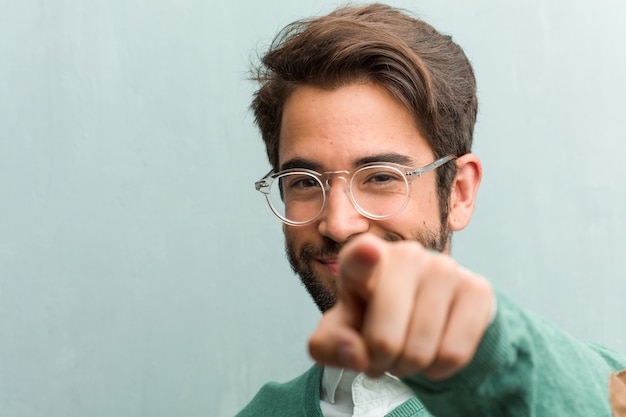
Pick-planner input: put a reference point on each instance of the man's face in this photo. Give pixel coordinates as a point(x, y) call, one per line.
point(337, 130)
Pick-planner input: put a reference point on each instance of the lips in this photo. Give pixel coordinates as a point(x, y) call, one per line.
point(332, 265)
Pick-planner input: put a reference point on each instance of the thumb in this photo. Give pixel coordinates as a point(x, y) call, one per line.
point(336, 343)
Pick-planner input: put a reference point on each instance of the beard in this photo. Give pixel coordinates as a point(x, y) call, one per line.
point(325, 296)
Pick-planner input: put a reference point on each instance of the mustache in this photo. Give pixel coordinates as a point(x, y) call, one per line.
point(330, 248)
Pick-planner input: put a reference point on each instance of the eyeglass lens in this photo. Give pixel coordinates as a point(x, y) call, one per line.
point(376, 191)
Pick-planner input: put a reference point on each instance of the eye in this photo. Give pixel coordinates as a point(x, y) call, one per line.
point(378, 179)
point(381, 177)
point(300, 182)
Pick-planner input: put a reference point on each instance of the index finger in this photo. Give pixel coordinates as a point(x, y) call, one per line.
point(357, 264)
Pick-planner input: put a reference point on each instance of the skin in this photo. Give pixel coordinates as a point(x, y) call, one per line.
point(390, 304)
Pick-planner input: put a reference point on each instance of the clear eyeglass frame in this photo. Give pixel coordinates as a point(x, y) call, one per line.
point(264, 185)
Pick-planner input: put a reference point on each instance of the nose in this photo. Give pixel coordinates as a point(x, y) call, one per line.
point(340, 220)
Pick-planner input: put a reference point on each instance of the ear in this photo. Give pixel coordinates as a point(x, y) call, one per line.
point(464, 190)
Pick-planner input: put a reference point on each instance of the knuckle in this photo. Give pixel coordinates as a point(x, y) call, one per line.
point(409, 249)
point(455, 356)
point(409, 255)
point(418, 355)
point(483, 286)
point(446, 264)
point(384, 345)
point(478, 286)
point(441, 265)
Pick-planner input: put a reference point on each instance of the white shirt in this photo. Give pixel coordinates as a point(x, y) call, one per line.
point(347, 393)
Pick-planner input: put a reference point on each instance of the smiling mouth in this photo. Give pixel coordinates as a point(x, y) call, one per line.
point(331, 265)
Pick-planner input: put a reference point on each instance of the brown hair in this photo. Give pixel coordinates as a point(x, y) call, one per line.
point(423, 69)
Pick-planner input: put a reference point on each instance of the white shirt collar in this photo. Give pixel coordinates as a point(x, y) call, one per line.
point(348, 393)
point(330, 382)
point(337, 384)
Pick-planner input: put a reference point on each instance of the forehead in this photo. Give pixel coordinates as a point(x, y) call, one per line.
point(337, 128)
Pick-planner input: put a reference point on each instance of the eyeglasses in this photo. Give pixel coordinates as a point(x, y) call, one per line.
point(376, 190)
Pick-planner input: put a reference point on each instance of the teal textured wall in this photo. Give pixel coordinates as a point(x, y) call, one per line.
point(142, 275)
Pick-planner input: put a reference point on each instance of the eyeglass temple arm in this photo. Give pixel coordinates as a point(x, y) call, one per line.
point(436, 164)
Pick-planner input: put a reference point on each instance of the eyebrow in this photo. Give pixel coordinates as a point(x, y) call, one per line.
point(303, 163)
point(392, 157)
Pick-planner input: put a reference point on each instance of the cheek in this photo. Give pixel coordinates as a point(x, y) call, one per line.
point(425, 203)
point(418, 214)
point(297, 236)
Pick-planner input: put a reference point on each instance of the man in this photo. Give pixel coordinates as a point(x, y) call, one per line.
point(367, 115)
